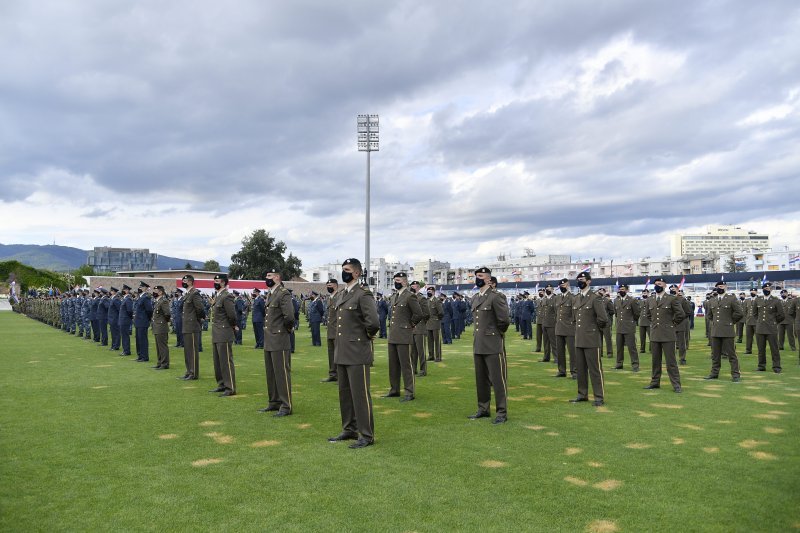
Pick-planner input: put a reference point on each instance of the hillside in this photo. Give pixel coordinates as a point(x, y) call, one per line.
point(64, 258)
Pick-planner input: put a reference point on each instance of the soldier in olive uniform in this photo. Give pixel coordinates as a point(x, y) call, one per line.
point(434, 325)
point(279, 322)
point(356, 326)
point(681, 329)
point(627, 311)
point(333, 290)
point(491, 319)
point(794, 312)
point(724, 312)
point(590, 318)
point(548, 314)
point(193, 314)
point(605, 333)
point(405, 314)
point(785, 327)
point(539, 318)
point(665, 313)
point(750, 320)
point(769, 313)
point(565, 330)
point(741, 322)
point(420, 334)
point(160, 323)
point(644, 322)
point(224, 329)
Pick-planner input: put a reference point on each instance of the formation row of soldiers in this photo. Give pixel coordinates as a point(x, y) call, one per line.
point(353, 323)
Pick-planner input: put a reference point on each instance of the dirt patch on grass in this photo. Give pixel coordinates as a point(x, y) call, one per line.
point(209, 423)
point(773, 431)
point(206, 462)
point(168, 436)
point(490, 463)
point(422, 415)
point(552, 434)
point(666, 405)
point(608, 485)
point(713, 449)
point(645, 414)
point(708, 395)
point(576, 481)
point(595, 464)
point(535, 428)
point(762, 399)
point(638, 446)
point(265, 443)
point(693, 427)
point(303, 426)
point(572, 451)
point(100, 387)
point(762, 456)
point(752, 443)
point(602, 526)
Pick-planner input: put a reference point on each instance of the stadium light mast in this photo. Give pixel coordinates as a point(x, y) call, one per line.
point(367, 142)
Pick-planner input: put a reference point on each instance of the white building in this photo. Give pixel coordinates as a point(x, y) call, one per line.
point(718, 240)
point(425, 271)
point(381, 273)
point(766, 261)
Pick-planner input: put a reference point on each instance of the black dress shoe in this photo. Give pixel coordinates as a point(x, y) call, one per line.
point(267, 409)
point(748, 353)
point(544, 360)
point(282, 413)
point(499, 420)
point(406, 398)
point(429, 359)
point(157, 367)
point(678, 389)
point(328, 380)
point(683, 362)
point(574, 376)
point(761, 369)
point(579, 399)
point(598, 403)
point(422, 374)
point(218, 389)
point(736, 380)
point(361, 443)
point(162, 368)
point(560, 375)
point(343, 436)
point(635, 369)
point(777, 370)
point(618, 367)
point(391, 395)
point(711, 377)
point(227, 393)
point(649, 387)
point(479, 414)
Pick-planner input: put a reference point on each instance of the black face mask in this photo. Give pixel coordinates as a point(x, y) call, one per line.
point(753, 294)
point(741, 298)
point(673, 292)
point(184, 285)
point(658, 288)
point(563, 289)
point(622, 293)
point(430, 294)
point(330, 290)
point(347, 277)
point(480, 282)
point(217, 286)
point(581, 284)
point(270, 283)
point(766, 292)
point(412, 289)
point(549, 291)
point(139, 291)
point(720, 290)
point(398, 285)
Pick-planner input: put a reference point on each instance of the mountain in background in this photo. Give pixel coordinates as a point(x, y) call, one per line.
point(63, 258)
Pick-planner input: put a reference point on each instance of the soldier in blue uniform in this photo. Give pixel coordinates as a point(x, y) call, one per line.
point(315, 312)
point(102, 316)
point(85, 314)
point(447, 319)
point(239, 305)
point(383, 313)
point(143, 314)
point(258, 318)
point(296, 305)
point(114, 304)
point(125, 320)
point(93, 315)
point(525, 310)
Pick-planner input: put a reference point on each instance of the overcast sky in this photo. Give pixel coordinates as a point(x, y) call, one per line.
point(594, 129)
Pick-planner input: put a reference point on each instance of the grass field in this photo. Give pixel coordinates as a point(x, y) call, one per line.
point(92, 441)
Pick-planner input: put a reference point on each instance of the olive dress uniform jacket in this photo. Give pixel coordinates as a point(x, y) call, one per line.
point(420, 327)
point(687, 310)
point(794, 312)
point(193, 311)
point(332, 302)
point(565, 317)
point(223, 318)
point(491, 319)
point(664, 313)
point(724, 313)
point(547, 308)
point(278, 320)
point(590, 318)
point(628, 311)
point(406, 313)
point(161, 315)
point(644, 320)
point(750, 318)
point(436, 313)
point(356, 325)
point(769, 313)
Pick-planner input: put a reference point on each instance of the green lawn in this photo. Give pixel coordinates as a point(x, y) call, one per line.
point(91, 441)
